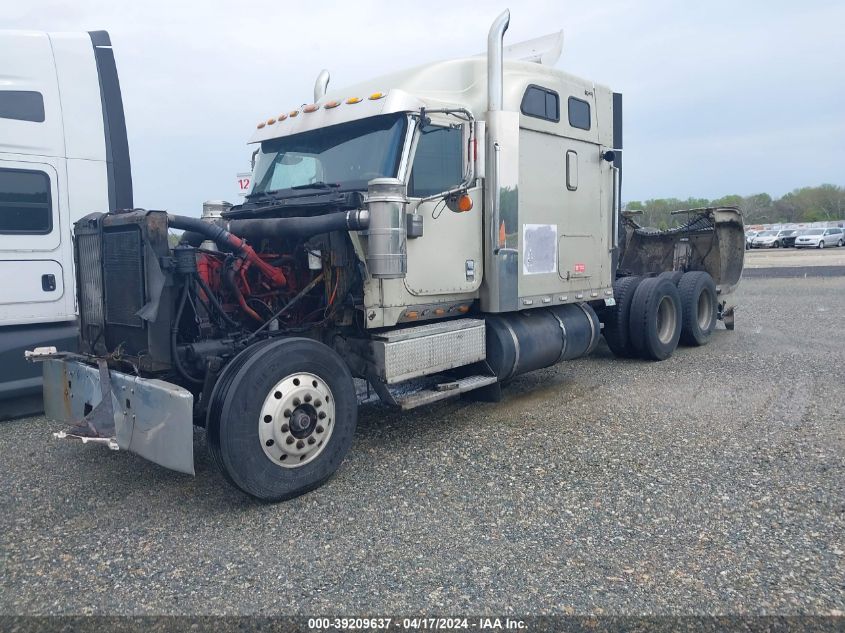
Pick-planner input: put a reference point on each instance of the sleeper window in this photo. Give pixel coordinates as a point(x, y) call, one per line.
point(541, 103)
point(22, 105)
point(579, 113)
point(25, 202)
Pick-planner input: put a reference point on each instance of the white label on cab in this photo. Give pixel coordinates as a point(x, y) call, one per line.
point(244, 183)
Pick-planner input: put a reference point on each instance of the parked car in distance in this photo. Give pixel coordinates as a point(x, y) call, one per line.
point(768, 239)
point(749, 235)
point(787, 240)
point(820, 238)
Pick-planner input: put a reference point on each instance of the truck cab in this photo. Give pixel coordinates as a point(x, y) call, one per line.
point(63, 153)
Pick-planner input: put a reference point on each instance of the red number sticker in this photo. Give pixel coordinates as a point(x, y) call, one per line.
point(580, 268)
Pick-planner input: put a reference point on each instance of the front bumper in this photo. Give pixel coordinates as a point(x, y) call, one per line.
point(151, 418)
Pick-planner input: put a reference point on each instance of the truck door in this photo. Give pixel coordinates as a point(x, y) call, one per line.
point(447, 259)
point(34, 250)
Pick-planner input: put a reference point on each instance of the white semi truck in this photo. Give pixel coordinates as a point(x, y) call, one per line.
point(436, 232)
point(63, 154)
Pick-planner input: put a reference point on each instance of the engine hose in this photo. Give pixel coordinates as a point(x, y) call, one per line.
point(174, 332)
point(225, 239)
point(233, 286)
point(301, 227)
point(214, 302)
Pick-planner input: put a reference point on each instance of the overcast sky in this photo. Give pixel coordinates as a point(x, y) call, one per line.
point(720, 97)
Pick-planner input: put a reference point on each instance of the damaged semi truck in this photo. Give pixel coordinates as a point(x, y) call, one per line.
point(434, 232)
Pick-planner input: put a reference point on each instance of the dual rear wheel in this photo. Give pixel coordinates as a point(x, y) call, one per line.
point(652, 315)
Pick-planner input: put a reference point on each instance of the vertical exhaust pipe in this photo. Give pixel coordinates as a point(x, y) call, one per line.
point(321, 85)
point(494, 61)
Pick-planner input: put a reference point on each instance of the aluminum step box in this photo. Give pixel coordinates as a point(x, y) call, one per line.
point(406, 353)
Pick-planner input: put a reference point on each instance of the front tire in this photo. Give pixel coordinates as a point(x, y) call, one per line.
point(282, 418)
point(655, 322)
point(821, 244)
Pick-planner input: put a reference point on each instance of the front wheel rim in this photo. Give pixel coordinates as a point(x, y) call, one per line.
point(296, 420)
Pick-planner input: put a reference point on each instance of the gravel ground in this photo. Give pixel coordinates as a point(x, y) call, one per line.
point(713, 482)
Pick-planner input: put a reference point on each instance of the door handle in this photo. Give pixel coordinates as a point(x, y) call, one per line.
point(48, 282)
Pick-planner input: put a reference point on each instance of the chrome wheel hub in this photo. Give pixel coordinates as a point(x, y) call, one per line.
point(296, 420)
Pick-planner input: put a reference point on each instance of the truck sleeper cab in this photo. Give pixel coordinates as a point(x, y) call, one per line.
point(63, 154)
point(435, 232)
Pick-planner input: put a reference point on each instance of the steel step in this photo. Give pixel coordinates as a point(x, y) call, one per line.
point(443, 390)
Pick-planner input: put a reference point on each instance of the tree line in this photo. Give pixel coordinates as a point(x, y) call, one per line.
point(807, 204)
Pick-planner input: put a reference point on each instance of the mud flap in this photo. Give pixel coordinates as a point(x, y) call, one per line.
point(151, 418)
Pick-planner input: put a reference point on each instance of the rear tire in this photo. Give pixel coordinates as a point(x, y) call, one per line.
point(616, 318)
point(776, 245)
point(282, 417)
point(699, 307)
point(655, 319)
point(672, 275)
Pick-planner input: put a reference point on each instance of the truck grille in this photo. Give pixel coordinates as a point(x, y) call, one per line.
point(123, 266)
point(89, 260)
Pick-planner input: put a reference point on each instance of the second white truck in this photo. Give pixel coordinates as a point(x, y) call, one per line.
point(63, 154)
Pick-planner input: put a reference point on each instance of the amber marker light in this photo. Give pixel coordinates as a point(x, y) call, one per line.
point(464, 203)
point(261, 125)
point(353, 100)
point(311, 107)
point(282, 117)
point(376, 95)
point(331, 104)
point(294, 113)
point(271, 121)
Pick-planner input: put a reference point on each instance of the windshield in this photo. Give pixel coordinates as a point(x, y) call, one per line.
point(767, 234)
point(344, 156)
point(814, 232)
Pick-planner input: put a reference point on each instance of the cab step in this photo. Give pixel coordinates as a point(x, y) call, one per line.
point(416, 393)
point(444, 390)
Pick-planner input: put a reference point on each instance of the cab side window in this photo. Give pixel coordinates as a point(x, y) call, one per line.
point(26, 206)
point(437, 162)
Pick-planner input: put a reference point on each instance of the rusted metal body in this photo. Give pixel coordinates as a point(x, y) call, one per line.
point(712, 240)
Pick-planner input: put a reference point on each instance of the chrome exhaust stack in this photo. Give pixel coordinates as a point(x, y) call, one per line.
point(495, 55)
point(321, 85)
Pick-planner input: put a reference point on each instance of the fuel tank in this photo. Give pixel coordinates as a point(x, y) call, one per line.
point(519, 342)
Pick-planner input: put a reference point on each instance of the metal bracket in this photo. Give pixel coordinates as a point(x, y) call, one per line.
point(98, 424)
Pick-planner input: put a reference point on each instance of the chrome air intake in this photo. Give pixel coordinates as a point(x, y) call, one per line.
point(387, 256)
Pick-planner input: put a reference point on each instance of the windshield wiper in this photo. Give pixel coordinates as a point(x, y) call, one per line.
point(317, 185)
